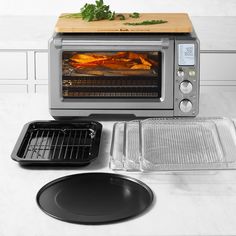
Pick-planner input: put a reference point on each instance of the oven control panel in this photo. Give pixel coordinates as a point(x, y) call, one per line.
point(186, 78)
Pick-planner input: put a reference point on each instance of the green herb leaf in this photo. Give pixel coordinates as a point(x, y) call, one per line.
point(134, 15)
point(97, 11)
point(99, 3)
point(121, 16)
point(111, 16)
point(147, 22)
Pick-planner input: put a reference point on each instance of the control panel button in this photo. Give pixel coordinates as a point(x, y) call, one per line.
point(185, 106)
point(186, 87)
point(192, 73)
point(180, 73)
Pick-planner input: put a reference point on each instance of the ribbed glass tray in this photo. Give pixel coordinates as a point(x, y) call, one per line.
point(174, 144)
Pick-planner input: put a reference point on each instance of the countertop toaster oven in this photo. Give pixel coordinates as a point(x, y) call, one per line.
point(141, 74)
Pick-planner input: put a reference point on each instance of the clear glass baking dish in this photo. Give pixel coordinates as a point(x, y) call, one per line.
point(174, 144)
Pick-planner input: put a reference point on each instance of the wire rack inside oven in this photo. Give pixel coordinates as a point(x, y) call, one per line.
point(56, 142)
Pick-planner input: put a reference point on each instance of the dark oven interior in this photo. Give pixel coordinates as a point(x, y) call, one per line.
point(117, 74)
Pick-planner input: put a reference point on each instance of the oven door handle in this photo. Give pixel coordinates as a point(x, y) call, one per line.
point(164, 42)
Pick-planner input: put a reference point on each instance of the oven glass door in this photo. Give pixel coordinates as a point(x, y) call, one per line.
point(112, 74)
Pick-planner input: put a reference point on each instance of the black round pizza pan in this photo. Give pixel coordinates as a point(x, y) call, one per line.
point(94, 198)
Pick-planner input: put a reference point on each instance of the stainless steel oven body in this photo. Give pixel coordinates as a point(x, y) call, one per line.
point(79, 87)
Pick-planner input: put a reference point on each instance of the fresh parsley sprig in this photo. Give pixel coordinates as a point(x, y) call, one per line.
point(97, 11)
point(100, 11)
point(146, 22)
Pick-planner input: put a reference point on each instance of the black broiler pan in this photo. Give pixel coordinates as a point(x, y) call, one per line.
point(58, 143)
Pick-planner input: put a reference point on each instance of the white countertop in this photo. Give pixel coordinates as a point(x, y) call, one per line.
point(187, 203)
point(216, 33)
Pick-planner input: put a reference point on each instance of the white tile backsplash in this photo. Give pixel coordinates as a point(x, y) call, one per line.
point(55, 7)
point(14, 64)
point(41, 65)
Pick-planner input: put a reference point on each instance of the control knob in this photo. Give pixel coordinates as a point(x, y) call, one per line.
point(185, 106)
point(186, 87)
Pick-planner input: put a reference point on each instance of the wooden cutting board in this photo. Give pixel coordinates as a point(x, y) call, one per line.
point(177, 23)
